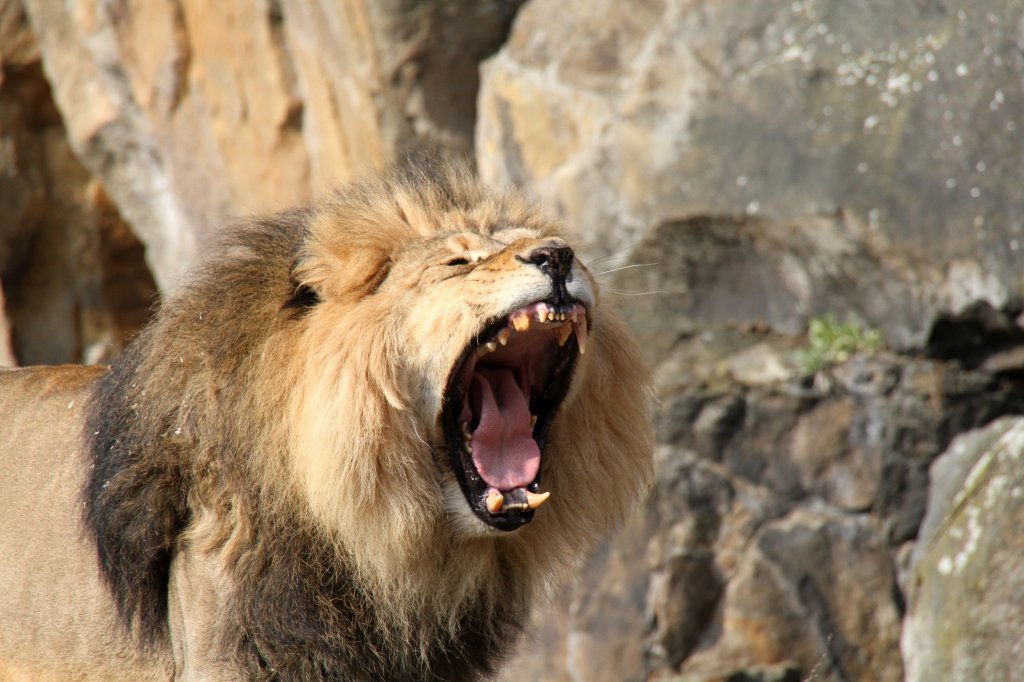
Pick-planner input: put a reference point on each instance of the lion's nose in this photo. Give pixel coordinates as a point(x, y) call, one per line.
point(554, 259)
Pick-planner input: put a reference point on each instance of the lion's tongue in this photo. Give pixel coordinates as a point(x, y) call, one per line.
point(504, 451)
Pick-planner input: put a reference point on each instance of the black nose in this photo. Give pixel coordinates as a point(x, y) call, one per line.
point(554, 260)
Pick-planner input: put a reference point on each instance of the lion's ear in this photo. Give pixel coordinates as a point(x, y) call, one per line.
point(342, 262)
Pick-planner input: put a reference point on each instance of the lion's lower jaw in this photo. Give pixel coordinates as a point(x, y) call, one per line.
point(462, 519)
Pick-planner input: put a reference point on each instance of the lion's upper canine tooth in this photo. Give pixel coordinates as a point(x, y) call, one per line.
point(534, 500)
point(521, 321)
point(494, 501)
point(581, 334)
point(564, 332)
point(503, 336)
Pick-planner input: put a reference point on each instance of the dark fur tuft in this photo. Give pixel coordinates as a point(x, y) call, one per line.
point(134, 503)
point(154, 418)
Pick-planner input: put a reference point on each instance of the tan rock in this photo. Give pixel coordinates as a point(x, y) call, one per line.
point(109, 131)
point(74, 279)
point(190, 111)
point(7, 358)
point(18, 45)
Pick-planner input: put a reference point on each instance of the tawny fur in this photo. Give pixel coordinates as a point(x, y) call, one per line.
point(259, 488)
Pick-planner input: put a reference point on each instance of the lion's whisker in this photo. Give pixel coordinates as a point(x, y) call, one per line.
point(624, 292)
point(625, 267)
point(614, 254)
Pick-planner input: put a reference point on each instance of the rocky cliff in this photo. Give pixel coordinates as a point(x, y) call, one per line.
point(810, 211)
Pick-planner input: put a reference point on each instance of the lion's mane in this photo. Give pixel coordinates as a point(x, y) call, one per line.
point(288, 444)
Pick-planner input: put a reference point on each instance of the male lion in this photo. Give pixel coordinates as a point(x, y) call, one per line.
point(327, 456)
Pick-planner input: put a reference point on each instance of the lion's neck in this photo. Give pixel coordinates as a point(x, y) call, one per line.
point(447, 615)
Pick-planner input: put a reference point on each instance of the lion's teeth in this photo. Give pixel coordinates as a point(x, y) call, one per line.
point(494, 501)
point(542, 314)
point(521, 321)
point(533, 420)
point(488, 347)
point(581, 335)
point(503, 336)
point(534, 500)
point(564, 332)
point(467, 435)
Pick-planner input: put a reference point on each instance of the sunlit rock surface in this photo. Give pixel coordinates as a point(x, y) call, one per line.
point(878, 134)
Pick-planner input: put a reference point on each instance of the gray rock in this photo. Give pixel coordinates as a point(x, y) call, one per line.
point(780, 510)
point(809, 590)
point(857, 155)
point(966, 588)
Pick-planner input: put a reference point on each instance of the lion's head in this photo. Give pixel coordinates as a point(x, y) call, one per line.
point(479, 337)
point(417, 371)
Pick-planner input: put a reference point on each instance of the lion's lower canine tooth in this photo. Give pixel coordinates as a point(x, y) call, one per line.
point(534, 500)
point(533, 420)
point(521, 321)
point(494, 501)
point(563, 334)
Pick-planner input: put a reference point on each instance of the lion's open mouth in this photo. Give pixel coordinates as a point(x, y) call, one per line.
point(500, 401)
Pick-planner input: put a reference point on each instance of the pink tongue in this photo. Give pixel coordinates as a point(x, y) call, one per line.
point(504, 451)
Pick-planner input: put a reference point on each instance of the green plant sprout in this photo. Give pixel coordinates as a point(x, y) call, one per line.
point(831, 342)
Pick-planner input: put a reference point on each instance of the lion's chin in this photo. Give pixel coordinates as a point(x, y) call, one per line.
point(500, 400)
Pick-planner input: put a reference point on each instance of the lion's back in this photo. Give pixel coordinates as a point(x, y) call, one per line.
point(56, 616)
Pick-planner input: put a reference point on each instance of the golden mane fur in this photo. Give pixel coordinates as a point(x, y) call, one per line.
point(266, 487)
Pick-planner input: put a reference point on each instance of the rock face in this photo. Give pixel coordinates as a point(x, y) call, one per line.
point(190, 111)
point(7, 358)
point(966, 586)
point(737, 170)
point(772, 544)
point(883, 133)
point(173, 115)
point(71, 269)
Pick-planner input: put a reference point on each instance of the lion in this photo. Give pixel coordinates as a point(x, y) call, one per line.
point(359, 443)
